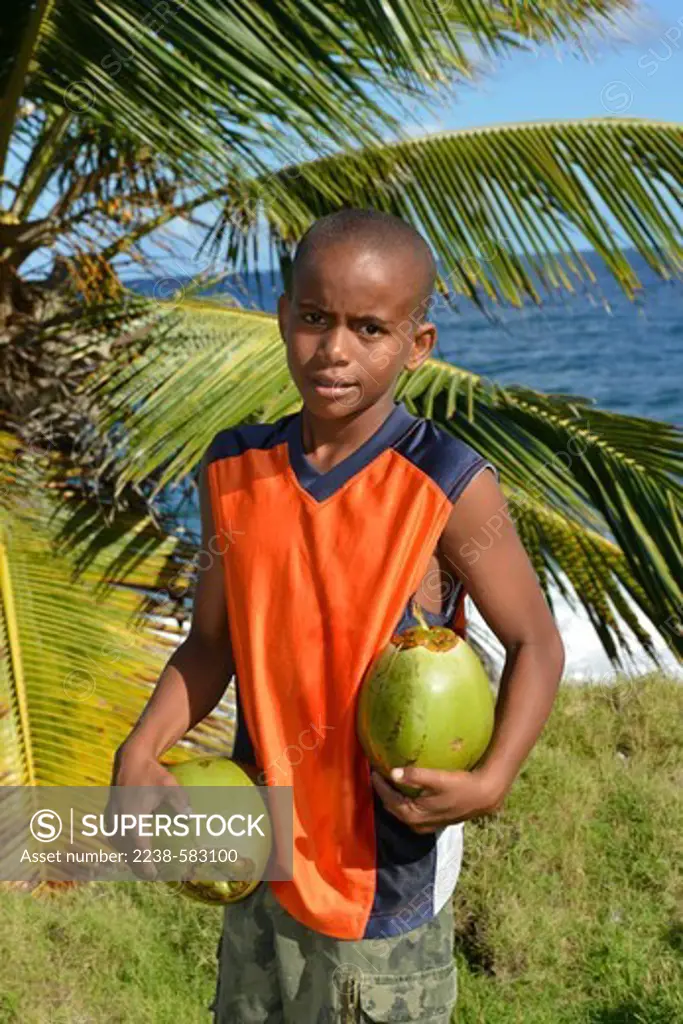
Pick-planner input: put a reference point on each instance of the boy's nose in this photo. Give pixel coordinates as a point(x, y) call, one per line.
point(335, 341)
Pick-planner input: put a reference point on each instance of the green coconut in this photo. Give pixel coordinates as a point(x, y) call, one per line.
point(245, 874)
point(425, 700)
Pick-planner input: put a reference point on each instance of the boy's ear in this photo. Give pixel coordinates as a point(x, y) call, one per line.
point(423, 343)
point(283, 313)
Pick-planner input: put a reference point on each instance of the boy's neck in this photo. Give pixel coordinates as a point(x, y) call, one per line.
point(326, 441)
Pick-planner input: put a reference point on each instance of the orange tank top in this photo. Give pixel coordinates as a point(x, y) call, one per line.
point(320, 571)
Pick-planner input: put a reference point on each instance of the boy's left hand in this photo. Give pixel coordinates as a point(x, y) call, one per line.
point(446, 798)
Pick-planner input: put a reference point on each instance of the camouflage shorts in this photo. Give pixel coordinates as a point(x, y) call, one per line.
point(273, 969)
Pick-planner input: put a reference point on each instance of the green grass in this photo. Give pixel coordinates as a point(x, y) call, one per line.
point(570, 902)
point(108, 953)
point(569, 907)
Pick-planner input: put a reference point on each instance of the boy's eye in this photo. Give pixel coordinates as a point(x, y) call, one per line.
point(311, 318)
point(374, 330)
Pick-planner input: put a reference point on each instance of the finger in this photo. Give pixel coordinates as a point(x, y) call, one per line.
point(432, 779)
point(133, 847)
point(395, 802)
point(128, 808)
point(442, 792)
point(391, 797)
point(436, 806)
point(145, 871)
point(400, 804)
point(425, 829)
point(176, 796)
point(113, 813)
point(170, 794)
point(140, 856)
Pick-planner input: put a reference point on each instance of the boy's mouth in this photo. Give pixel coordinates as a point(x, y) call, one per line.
point(333, 385)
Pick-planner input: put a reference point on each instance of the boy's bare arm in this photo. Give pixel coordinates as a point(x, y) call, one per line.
point(501, 580)
point(503, 584)
point(199, 670)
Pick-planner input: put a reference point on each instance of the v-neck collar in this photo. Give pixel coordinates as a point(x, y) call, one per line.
point(321, 485)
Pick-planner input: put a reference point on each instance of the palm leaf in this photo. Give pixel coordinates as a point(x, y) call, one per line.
point(572, 519)
point(613, 480)
point(80, 655)
point(499, 205)
point(215, 363)
point(597, 570)
point(201, 80)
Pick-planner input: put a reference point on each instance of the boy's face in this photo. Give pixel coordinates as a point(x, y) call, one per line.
point(349, 319)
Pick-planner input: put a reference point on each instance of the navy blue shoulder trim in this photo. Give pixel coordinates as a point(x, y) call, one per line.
point(449, 461)
point(246, 436)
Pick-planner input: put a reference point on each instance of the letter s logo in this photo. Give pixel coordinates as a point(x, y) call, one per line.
point(46, 826)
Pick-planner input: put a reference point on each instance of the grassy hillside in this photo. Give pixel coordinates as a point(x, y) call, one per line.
point(570, 904)
point(569, 908)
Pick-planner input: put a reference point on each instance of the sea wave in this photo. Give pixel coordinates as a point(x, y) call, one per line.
point(585, 658)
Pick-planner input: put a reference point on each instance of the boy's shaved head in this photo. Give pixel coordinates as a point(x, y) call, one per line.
point(380, 234)
point(354, 314)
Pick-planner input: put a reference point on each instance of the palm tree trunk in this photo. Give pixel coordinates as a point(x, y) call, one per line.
point(17, 77)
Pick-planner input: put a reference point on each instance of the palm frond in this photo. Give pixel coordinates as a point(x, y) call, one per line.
point(216, 365)
point(556, 19)
point(201, 80)
point(575, 474)
point(597, 570)
point(80, 652)
point(499, 204)
point(613, 480)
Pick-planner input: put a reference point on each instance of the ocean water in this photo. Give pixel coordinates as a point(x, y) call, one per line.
point(625, 356)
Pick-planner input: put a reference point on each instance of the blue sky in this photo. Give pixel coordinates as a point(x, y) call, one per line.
point(636, 72)
point(640, 75)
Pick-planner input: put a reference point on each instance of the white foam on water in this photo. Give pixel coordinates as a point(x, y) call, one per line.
point(586, 659)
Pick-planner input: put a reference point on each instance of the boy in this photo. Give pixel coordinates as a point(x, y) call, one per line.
point(344, 513)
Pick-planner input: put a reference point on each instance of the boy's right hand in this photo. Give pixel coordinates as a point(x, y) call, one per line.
point(134, 767)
